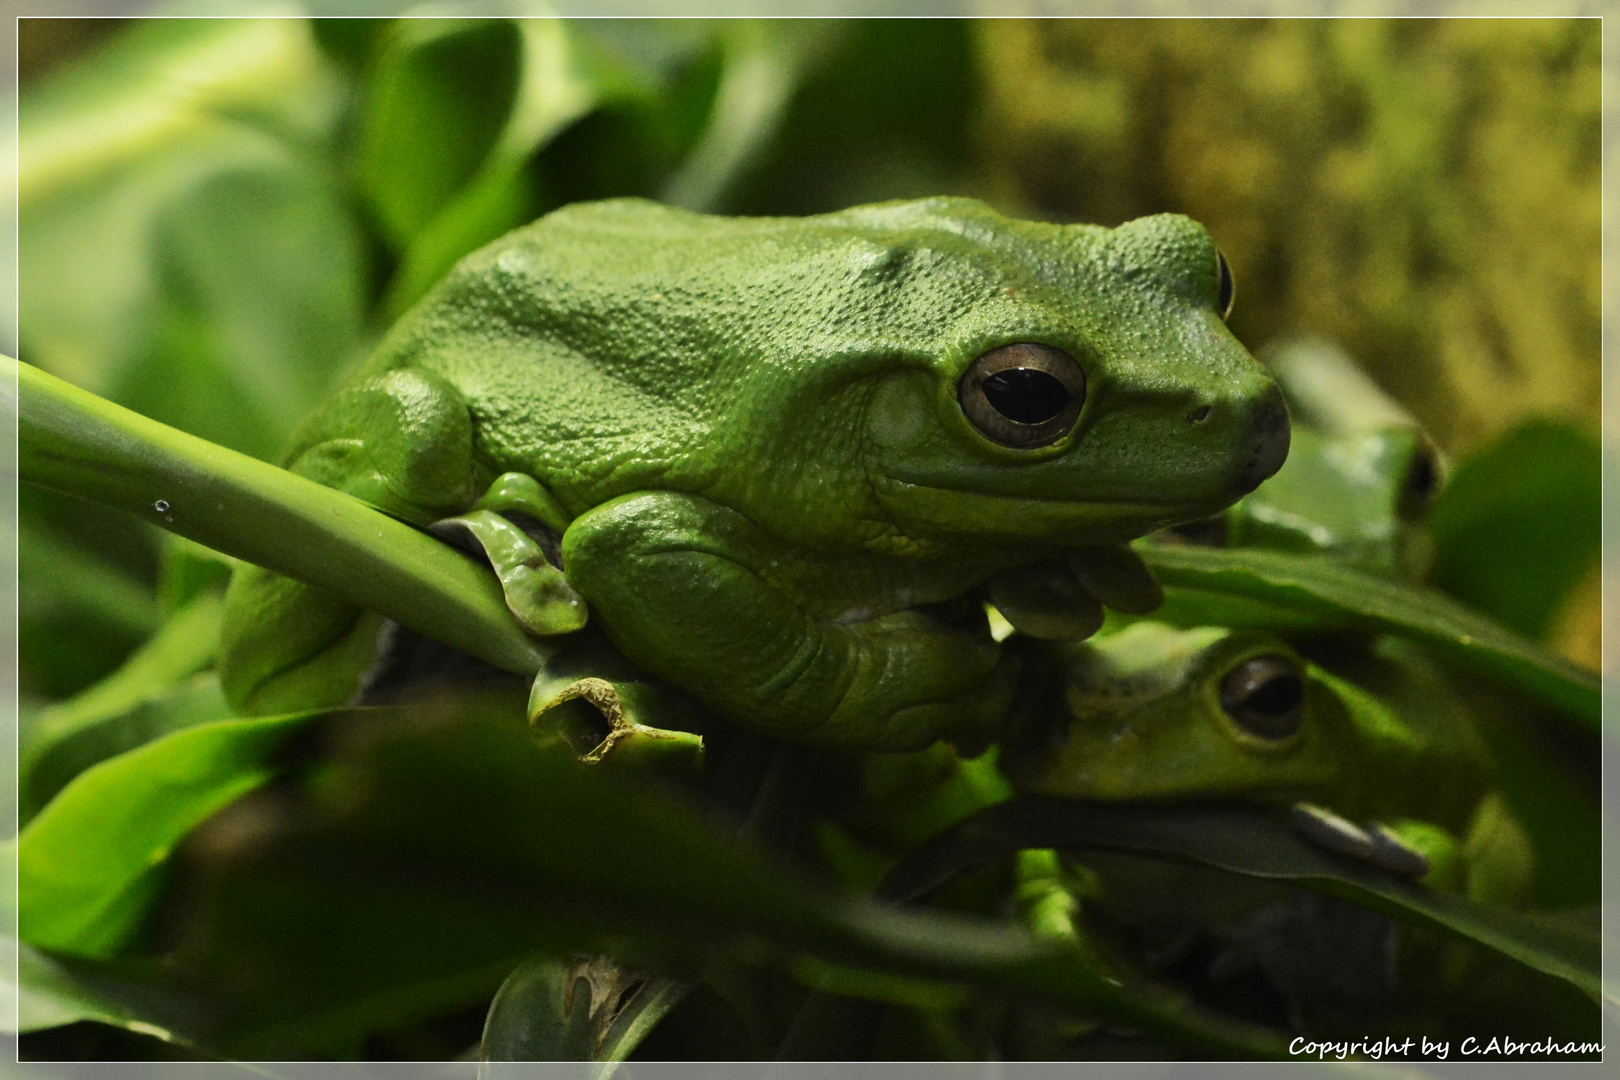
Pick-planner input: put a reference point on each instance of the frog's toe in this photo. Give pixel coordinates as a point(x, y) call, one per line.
point(543, 600)
point(1046, 601)
point(536, 592)
point(1116, 577)
point(1376, 844)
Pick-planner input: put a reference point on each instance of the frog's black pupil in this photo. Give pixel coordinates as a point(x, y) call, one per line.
point(1264, 695)
point(1277, 696)
point(1025, 395)
point(1223, 300)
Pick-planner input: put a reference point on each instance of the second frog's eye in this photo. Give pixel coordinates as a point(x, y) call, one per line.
point(1225, 287)
point(1265, 695)
point(1418, 487)
point(1023, 395)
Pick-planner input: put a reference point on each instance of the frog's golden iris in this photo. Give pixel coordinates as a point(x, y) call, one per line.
point(1024, 395)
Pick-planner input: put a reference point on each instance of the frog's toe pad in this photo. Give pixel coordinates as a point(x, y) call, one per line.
point(1374, 844)
point(1046, 601)
point(542, 600)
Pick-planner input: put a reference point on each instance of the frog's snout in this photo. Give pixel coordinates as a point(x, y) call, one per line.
point(1268, 441)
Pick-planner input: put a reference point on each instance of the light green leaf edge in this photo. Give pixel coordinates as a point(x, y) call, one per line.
point(86, 872)
point(1330, 590)
point(75, 442)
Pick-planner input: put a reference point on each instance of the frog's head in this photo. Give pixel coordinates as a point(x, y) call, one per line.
point(1160, 712)
point(1156, 712)
point(1073, 383)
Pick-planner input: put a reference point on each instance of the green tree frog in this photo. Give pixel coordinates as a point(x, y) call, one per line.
point(782, 460)
point(1378, 758)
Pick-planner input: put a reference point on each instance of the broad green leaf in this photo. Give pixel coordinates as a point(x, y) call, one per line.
point(574, 1010)
point(1313, 587)
point(440, 94)
point(118, 713)
point(1251, 841)
point(74, 442)
point(73, 559)
point(880, 110)
point(52, 991)
point(554, 85)
point(176, 228)
point(764, 61)
point(89, 865)
point(78, 612)
point(1520, 522)
point(441, 842)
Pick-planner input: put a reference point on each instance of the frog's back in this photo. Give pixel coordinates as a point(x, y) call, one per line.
point(599, 348)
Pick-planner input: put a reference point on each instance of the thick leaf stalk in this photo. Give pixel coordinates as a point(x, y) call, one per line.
point(74, 442)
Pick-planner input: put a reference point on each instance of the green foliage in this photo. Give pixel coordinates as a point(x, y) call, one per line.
point(1530, 500)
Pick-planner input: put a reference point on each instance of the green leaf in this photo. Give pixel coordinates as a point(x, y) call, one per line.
point(174, 229)
point(763, 63)
point(1314, 587)
point(579, 1010)
point(109, 718)
point(52, 991)
point(1250, 841)
point(554, 86)
point(1520, 522)
point(78, 612)
point(442, 841)
point(74, 442)
point(88, 865)
point(440, 95)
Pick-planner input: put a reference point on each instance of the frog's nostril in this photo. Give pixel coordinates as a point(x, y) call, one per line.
point(1268, 432)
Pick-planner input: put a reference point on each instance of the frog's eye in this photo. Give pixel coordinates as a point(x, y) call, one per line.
point(1225, 288)
point(1418, 488)
point(1023, 395)
point(1265, 696)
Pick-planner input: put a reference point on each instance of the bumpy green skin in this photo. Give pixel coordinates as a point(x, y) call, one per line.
point(1383, 739)
point(750, 428)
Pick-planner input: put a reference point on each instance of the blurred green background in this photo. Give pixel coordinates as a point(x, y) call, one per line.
point(218, 217)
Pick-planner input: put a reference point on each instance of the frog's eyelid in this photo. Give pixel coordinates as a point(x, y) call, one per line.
point(1225, 286)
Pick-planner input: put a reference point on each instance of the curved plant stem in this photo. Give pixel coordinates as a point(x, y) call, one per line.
point(77, 443)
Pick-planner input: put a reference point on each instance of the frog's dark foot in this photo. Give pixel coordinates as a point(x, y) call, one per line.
point(1065, 599)
point(1375, 844)
point(517, 525)
point(614, 722)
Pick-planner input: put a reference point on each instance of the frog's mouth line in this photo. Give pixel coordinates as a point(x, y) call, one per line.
point(1175, 507)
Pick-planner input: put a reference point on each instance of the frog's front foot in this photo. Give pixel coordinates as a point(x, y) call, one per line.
point(692, 592)
point(524, 559)
point(1064, 599)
